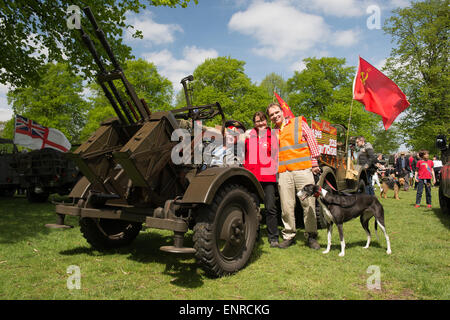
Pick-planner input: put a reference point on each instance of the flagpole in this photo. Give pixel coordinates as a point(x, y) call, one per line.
point(348, 128)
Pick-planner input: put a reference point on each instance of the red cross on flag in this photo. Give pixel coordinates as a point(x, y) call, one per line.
point(31, 134)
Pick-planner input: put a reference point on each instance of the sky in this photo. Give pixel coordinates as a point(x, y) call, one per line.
point(268, 35)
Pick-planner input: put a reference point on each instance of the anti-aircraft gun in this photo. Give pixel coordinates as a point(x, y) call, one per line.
point(130, 179)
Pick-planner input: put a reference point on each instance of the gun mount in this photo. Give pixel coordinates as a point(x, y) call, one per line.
point(130, 179)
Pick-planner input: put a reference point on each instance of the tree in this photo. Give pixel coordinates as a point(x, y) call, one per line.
point(56, 102)
point(419, 65)
point(274, 82)
point(323, 90)
point(387, 141)
point(223, 80)
point(155, 89)
point(35, 32)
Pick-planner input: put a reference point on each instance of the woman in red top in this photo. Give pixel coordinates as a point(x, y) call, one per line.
point(261, 158)
point(425, 173)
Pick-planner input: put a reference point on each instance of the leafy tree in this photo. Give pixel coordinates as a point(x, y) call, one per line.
point(56, 102)
point(223, 80)
point(274, 83)
point(419, 65)
point(323, 90)
point(387, 141)
point(35, 32)
point(155, 89)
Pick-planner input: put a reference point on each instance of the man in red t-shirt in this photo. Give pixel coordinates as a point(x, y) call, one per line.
point(425, 177)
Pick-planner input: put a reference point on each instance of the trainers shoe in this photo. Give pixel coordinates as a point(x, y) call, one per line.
point(274, 244)
point(429, 206)
point(417, 206)
point(286, 243)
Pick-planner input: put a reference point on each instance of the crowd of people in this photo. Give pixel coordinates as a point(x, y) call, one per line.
point(292, 146)
point(416, 169)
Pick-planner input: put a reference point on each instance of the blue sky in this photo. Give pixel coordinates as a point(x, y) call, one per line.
point(269, 35)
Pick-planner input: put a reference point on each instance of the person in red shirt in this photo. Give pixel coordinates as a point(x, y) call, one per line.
point(261, 158)
point(425, 177)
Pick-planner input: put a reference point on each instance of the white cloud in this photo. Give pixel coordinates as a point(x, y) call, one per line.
point(298, 66)
point(399, 3)
point(346, 38)
point(154, 33)
point(279, 28)
point(339, 8)
point(5, 110)
point(283, 31)
point(176, 69)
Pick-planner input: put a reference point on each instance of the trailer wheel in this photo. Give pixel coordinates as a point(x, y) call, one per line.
point(109, 233)
point(225, 231)
point(34, 197)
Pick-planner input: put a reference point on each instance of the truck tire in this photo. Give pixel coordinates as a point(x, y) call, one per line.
point(109, 233)
point(225, 231)
point(444, 202)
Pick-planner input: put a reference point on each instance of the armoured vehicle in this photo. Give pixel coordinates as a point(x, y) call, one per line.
point(45, 171)
point(9, 178)
point(130, 178)
point(444, 178)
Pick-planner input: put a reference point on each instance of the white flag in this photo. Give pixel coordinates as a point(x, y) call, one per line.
point(31, 134)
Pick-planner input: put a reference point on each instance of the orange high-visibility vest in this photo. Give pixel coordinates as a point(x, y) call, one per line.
point(294, 153)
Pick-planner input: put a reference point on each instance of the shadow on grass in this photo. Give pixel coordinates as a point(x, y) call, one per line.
point(20, 220)
point(145, 249)
point(444, 218)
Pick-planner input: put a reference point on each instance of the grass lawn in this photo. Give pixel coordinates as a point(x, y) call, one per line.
point(34, 261)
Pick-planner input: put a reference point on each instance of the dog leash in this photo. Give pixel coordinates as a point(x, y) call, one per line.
point(329, 184)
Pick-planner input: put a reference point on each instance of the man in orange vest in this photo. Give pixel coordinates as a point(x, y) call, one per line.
point(298, 153)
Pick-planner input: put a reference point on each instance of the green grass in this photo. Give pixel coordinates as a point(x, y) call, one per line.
point(34, 260)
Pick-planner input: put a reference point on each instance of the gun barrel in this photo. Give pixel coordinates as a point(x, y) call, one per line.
point(116, 74)
point(101, 36)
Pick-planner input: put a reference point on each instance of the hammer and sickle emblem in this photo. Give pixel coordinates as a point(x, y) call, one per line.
point(364, 76)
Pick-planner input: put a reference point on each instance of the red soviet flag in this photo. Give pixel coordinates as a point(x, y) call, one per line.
point(287, 113)
point(378, 93)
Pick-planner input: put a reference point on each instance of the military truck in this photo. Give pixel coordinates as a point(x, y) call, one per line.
point(9, 178)
point(45, 171)
point(444, 174)
point(130, 179)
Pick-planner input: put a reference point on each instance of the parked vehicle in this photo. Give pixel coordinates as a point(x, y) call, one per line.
point(9, 178)
point(444, 175)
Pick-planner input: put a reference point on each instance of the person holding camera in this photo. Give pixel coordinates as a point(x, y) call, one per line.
point(367, 159)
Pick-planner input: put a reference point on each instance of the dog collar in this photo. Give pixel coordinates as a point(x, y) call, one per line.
point(318, 193)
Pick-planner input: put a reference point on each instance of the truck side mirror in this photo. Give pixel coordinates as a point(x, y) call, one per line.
point(441, 142)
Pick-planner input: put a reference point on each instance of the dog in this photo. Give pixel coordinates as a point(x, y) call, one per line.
point(339, 209)
point(391, 182)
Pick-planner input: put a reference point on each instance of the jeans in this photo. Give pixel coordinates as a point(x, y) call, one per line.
point(271, 210)
point(369, 186)
point(420, 185)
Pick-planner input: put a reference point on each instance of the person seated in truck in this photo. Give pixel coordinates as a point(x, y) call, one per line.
point(228, 151)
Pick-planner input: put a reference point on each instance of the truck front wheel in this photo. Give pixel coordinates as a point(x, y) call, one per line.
point(225, 231)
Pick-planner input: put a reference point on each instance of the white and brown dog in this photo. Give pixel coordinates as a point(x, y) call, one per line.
point(339, 209)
